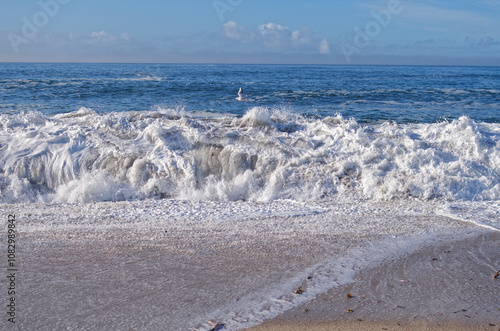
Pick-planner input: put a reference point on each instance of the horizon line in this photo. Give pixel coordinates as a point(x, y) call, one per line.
point(244, 63)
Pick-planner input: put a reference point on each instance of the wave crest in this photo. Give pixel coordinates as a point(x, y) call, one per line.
point(265, 155)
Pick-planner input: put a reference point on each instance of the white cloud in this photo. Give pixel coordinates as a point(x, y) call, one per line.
point(324, 47)
point(471, 42)
point(301, 37)
point(102, 37)
point(273, 29)
point(275, 35)
point(232, 30)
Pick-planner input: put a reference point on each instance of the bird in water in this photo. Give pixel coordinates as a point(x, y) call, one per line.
point(241, 96)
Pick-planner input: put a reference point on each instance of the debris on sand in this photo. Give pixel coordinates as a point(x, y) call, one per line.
point(298, 291)
point(217, 327)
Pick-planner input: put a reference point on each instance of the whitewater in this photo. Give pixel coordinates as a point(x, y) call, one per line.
point(265, 155)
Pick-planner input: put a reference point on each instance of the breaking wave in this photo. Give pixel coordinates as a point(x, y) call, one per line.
point(265, 155)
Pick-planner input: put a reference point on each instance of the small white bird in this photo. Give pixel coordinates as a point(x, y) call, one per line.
point(241, 96)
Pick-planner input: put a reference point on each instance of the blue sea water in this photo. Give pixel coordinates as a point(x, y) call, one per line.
point(365, 93)
point(108, 132)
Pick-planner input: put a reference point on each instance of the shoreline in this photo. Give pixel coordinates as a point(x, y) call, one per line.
point(450, 286)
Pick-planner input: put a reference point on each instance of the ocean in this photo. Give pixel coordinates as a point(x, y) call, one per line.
point(368, 94)
point(344, 152)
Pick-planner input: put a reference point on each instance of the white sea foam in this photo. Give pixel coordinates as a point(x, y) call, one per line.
point(483, 213)
point(452, 91)
point(265, 155)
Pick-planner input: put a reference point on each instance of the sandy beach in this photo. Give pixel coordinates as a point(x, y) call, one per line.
point(144, 266)
point(450, 286)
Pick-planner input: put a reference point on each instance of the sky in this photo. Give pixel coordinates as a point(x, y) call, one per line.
point(414, 32)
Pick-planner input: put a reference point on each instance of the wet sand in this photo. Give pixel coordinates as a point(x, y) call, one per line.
point(450, 286)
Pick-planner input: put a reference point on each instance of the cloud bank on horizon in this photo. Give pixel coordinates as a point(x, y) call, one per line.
point(241, 31)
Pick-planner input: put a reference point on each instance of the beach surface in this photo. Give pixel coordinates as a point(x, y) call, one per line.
point(448, 286)
point(183, 265)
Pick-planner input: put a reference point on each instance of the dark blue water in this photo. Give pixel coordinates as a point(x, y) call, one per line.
point(367, 93)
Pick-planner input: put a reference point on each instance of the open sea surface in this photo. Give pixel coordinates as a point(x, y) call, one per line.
point(315, 152)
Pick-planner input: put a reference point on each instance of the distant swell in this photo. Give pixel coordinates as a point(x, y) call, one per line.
point(265, 155)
